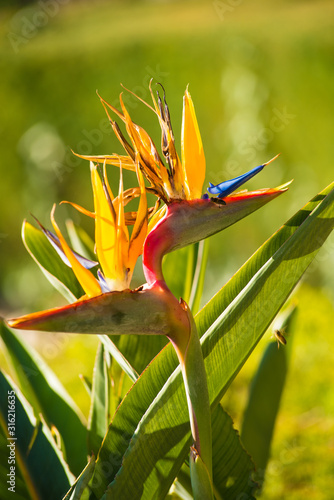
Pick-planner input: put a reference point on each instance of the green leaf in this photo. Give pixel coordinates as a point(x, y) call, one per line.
point(137, 351)
point(47, 395)
point(45, 473)
point(265, 396)
point(199, 275)
point(188, 278)
point(150, 434)
point(86, 383)
point(232, 465)
point(178, 492)
point(59, 275)
point(178, 270)
point(125, 422)
point(184, 272)
point(99, 409)
point(21, 491)
point(81, 242)
point(78, 490)
point(200, 478)
point(110, 347)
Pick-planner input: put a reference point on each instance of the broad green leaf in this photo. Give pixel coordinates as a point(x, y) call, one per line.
point(59, 275)
point(47, 395)
point(154, 413)
point(232, 465)
point(99, 408)
point(137, 350)
point(124, 423)
point(264, 398)
point(45, 472)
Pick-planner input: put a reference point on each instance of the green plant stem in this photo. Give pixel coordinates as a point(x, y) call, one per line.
point(195, 381)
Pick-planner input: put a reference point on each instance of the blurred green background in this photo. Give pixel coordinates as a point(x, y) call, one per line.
point(261, 77)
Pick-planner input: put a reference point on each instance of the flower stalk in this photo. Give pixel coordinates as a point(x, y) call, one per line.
point(195, 381)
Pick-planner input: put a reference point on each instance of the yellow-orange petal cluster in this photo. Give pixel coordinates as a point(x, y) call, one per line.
point(170, 178)
point(117, 252)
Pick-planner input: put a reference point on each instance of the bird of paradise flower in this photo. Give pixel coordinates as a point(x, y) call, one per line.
point(109, 306)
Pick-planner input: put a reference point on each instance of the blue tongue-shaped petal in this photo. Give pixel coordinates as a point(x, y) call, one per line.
point(52, 238)
point(103, 283)
point(227, 187)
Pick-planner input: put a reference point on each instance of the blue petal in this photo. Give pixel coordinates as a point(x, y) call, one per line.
point(227, 187)
point(52, 238)
point(102, 281)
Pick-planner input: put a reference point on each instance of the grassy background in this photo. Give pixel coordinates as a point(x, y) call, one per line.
point(261, 77)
